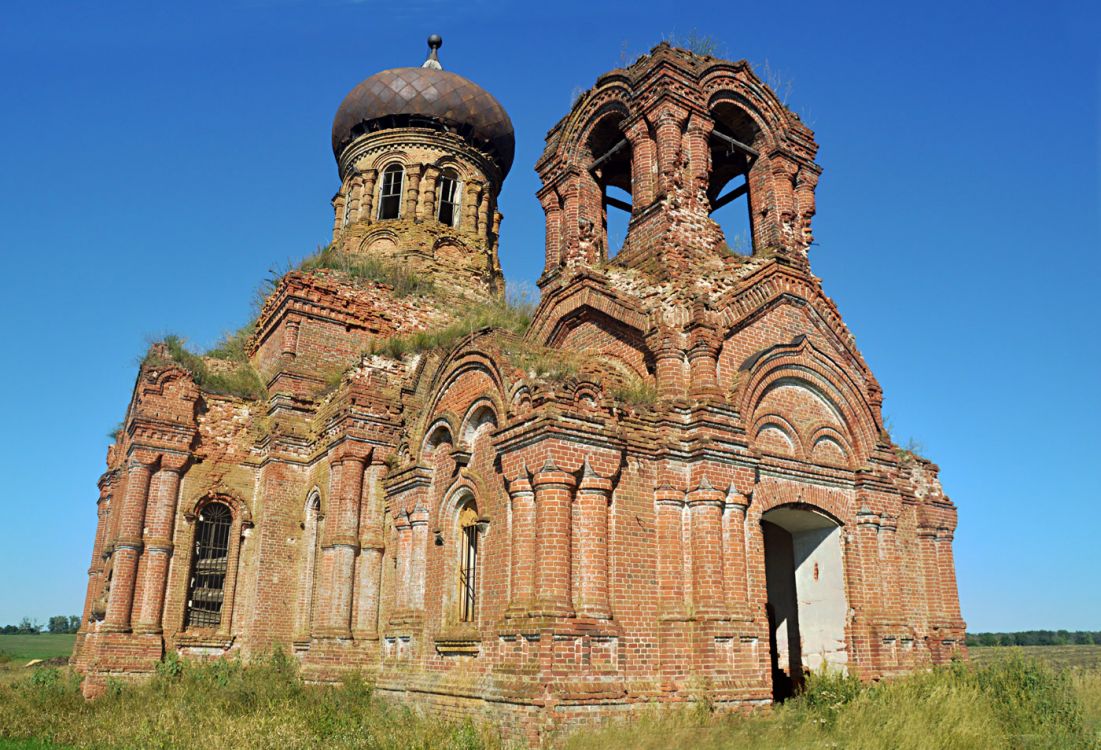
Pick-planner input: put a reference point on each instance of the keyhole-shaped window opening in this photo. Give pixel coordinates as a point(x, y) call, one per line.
point(611, 170)
point(448, 204)
point(732, 157)
point(468, 562)
point(389, 198)
point(208, 566)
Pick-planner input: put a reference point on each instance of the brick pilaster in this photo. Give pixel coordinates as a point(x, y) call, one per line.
point(593, 497)
point(522, 551)
point(553, 496)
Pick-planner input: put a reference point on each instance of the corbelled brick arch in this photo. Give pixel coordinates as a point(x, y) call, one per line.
point(815, 382)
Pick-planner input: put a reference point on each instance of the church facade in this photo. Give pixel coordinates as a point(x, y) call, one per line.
point(673, 484)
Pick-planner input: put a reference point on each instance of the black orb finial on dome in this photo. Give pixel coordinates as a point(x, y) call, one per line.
point(433, 61)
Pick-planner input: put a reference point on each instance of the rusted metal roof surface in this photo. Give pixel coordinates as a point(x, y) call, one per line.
point(427, 92)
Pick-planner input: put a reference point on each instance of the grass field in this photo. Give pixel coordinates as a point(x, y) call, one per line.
point(23, 648)
point(1008, 698)
point(1061, 657)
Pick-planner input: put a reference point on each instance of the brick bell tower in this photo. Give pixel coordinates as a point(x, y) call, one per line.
point(422, 154)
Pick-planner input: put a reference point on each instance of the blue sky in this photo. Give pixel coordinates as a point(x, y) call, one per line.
point(159, 159)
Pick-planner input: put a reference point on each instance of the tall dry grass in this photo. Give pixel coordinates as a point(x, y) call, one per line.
point(1012, 703)
point(223, 706)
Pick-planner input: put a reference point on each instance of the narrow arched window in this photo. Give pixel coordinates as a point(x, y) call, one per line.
point(206, 591)
point(389, 198)
point(311, 538)
point(448, 210)
point(468, 562)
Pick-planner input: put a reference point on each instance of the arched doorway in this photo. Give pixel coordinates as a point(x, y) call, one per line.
point(805, 577)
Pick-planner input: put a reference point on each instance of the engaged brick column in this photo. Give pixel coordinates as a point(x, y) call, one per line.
point(949, 592)
point(158, 543)
point(469, 207)
point(930, 568)
point(552, 208)
point(734, 567)
point(483, 214)
point(643, 163)
point(593, 497)
point(703, 358)
point(355, 191)
point(522, 552)
point(553, 495)
point(668, 365)
point(95, 568)
point(705, 504)
point(372, 547)
point(426, 201)
point(289, 349)
point(698, 151)
point(139, 471)
point(867, 554)
point(367, 197)
point(418, 520)
point(670, 512)
point(890, 572)
point(412, 191)
point(345, 543)
point(404, 547)
point(669, 132)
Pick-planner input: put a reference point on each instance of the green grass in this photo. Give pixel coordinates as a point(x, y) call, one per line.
point(501, 315)
point(23, 648)
point(1013, 701)
point(239, 378)
point(1061, 657)
point(404, 282)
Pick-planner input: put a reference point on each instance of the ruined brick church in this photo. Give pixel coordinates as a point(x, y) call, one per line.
point(674, 484)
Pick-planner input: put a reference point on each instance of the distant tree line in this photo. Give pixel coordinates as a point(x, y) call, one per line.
point(56, 624)
point(1037, 638)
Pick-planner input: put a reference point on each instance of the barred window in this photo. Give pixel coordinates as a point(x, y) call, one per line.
point(208, 566)
point(468, 563)
point(448, 212)
point(389, 202)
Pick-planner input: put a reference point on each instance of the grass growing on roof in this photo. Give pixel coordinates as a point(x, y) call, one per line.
point(502, 315)
point(405, 283)
point(239, 378)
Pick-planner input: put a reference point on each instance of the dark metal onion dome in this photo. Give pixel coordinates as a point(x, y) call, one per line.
point(426, 96)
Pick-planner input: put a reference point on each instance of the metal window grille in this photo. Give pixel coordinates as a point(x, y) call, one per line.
point(208, 567)
point(389, 204)
point(449, 200)
point(468, 567)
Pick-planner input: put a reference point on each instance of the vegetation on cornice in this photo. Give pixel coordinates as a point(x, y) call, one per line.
point(512, 314)
point(404, 282)
point(224, 369)
point(637, 392)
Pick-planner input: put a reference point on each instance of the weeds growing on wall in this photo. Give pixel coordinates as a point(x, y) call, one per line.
point(505, 315)
point(404, 282)
point(236, 378)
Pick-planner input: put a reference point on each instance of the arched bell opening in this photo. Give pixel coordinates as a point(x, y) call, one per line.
point(807, 606)
point(732, 157)
point(611, 170)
